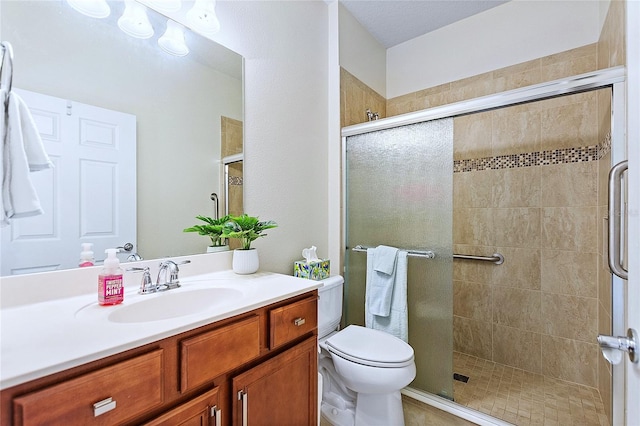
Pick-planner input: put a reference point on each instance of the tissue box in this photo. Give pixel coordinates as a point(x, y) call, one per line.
point(316, 270)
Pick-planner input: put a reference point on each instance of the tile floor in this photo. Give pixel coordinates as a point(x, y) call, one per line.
point(524, 398)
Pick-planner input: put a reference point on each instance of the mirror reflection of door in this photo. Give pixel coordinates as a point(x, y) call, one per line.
point(89, 195)
point(232, 159)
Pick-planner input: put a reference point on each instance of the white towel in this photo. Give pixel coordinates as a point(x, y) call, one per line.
point(382, 279)
point(23, 152)
point(397, 323)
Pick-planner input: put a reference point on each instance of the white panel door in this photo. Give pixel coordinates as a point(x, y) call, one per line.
point(89, 195)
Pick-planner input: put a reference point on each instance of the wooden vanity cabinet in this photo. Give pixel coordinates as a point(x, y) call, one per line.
point(193, 378)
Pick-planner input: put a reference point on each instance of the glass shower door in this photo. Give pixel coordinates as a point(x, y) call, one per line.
point(399, 186)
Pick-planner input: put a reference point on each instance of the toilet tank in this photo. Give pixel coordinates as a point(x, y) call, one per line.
point(329, 305)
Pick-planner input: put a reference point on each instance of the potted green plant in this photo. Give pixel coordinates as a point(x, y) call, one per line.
point(214, 229)
point(247, 229)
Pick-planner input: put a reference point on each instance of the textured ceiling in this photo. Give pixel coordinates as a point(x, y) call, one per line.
point(392, 22)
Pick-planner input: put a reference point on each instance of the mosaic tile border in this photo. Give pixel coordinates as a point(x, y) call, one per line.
point(540, 158)
point(235, 180)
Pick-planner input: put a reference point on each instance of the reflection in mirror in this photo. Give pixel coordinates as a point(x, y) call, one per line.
point(181, 107)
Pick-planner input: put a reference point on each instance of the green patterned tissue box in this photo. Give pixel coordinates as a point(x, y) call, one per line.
point(314, 270)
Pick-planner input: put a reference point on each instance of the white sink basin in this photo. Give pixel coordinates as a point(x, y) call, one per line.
point(163, 306)
point(172, 305)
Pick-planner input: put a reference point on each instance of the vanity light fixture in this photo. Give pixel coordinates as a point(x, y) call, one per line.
point(134, 21)
point(92, 8)
point(166, 6)
point(172, 41)
point(202, 17)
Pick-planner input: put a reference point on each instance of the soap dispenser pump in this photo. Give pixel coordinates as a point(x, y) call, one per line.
point(110, 282)
point(86, 255)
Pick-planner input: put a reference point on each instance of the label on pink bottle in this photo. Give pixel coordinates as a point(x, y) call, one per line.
point(110, 289)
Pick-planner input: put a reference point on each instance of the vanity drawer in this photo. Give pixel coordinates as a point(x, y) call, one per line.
point(211, 354)
point(134, 387)
point(292, 321)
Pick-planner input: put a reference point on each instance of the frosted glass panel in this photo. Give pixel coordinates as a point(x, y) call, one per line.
point(399, 185)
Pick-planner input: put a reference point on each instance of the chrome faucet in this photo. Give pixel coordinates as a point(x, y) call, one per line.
point(167, 277)
point(168, 274)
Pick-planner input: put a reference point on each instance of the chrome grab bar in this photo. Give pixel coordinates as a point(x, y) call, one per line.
point(496, 258)
point(615, 217)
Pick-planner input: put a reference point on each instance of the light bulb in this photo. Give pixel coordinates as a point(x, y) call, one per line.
point(92, 8)
point(202, 17)
point(134, 21)
point(172, 41)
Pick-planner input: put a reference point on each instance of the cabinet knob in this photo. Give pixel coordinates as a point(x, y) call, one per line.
point(103, 406)
point(299, 321)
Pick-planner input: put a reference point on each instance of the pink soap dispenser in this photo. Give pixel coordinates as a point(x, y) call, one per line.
point(110, 283)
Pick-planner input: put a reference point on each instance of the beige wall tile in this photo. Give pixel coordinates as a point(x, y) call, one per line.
point(569, 228)
point(604, 319)
point(465, 270)
point(232, 140)
point(473, 189)
point(472, 300)
point(568, 185)
point(517, 308)
point(605, 385)
point(604, 286)
point(570, 317)
point(516, 76)
point(570, 125)
point(521, 268)
point(611, 46)
point(517, 348)
point(516, 130)
point(517, 227)
point(472, 226)
point(471, 87)
point(517, 187)
point(569, 272)
point(570, 360)
point(472, 337)
point(472, 136)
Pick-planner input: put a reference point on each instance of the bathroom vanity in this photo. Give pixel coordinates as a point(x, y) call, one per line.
point(251, 359)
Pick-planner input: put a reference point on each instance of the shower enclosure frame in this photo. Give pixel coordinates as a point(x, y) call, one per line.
point(615, 78)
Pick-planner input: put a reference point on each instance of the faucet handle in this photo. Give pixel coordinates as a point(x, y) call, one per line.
point(146, 285)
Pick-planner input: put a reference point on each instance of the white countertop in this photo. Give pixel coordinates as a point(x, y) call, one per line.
point(53, 335)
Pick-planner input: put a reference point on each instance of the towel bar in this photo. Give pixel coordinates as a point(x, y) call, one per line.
point(496, 258)
point(411, 253)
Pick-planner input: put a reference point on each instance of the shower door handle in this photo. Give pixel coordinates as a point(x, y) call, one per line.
point(615, 219)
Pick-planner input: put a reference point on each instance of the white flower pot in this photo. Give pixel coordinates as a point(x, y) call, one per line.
point(245, 261)
point(216, 249)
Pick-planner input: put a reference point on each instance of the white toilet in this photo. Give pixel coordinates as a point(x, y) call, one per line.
point(362, 369)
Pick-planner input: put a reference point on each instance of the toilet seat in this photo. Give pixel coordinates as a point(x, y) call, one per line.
point(370, 347)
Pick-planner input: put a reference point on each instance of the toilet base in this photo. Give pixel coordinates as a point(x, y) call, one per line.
point(379, 409)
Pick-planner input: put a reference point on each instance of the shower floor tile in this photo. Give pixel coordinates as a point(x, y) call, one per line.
point(523, 398)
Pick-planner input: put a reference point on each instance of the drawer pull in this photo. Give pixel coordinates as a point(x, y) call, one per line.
point(299, 321)
point(215, 413)
point(103, 406)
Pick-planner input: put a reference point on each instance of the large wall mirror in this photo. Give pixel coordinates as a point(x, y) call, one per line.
point(183, 107)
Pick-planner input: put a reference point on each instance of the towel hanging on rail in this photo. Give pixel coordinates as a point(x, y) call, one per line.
point(22, 150)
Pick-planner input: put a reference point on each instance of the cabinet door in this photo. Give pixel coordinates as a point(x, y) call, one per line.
point(281, 391)
point(200, 411)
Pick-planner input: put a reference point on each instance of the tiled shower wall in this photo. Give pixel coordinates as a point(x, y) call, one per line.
point(529, 192)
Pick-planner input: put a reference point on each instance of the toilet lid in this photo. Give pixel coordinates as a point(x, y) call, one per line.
point(370, 347)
